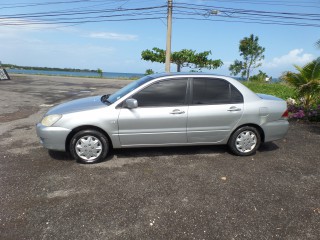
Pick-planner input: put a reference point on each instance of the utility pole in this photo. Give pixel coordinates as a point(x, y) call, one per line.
point(169, 31)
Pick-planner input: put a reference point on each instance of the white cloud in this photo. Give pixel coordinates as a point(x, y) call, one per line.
point(295, 56)
point(113, 36)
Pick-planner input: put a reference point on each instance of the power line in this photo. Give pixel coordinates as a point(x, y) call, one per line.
point(182, 11)
point(206, 7)
point(255, 21)
point(25, 5)
point(262, 14)
point(272, 3)
point(75, 17)
point(73, 13)
point(252, 16)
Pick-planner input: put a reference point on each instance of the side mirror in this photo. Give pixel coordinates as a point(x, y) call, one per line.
point(131, 103)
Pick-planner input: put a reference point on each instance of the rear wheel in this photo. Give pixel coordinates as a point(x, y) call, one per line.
point(245, 141)
point(89, 146)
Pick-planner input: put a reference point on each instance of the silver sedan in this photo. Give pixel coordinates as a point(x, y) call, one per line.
point(165, 110)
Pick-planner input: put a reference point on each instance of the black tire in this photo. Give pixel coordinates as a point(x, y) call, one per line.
point(89, 146)
point(245, 141)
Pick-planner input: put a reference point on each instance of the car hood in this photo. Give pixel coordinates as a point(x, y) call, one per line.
point(78, 105)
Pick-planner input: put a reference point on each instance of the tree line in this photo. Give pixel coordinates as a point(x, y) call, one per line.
point(251, 52)
point(12, 66)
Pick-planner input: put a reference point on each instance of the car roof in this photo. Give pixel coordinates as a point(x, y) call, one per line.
point(164, 74)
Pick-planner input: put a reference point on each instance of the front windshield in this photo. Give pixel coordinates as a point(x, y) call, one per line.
point(130, 87)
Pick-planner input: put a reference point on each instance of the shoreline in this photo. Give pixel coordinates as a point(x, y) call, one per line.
point(69, 76)
point(76, 73)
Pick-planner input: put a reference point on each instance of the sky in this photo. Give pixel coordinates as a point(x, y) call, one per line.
point(111, 34)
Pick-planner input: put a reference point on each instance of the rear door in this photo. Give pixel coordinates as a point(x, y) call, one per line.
point(161, 116)
point(215, 108)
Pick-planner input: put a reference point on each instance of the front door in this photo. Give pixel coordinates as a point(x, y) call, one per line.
point(159, 119)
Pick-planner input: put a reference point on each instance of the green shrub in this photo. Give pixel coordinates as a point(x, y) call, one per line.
point(280, 89)
point(306, 81)
point(260, 77)
point(148, 72)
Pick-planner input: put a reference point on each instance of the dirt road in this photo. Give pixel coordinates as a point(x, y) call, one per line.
point(156, 193)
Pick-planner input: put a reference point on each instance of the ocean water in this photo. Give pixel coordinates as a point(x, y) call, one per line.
point(76, 74)
point(91, 74)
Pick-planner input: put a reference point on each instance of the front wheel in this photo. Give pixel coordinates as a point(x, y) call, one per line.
point(245, 141)
point(89, 146)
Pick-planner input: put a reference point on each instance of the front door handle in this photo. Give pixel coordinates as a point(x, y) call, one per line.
point(177, 111)
point(234, 109)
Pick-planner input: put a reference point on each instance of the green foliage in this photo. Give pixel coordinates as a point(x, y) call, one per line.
point(148, 72)
point(306, 82)
point(100, 72)
point(252, 54)
point(154, 55)
point(12, 66)
point(184, 58)
point(236, 68)
point(280, 90)
point(260, 77)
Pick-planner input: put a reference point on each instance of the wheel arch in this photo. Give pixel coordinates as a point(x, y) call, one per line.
point(85, 127)
point(260, 130)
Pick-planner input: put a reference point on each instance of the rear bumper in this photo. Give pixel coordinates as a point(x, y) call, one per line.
point(275, 130)
point(53, 138)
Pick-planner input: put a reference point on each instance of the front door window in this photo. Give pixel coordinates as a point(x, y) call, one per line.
point(163, 94)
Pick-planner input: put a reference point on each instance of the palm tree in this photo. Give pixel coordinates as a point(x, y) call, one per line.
point(306, 81)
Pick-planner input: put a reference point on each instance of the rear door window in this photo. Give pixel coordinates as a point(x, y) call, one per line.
point(210, 91)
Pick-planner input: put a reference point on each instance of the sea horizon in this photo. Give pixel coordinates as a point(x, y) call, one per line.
point(74, 73)
point(93, 74)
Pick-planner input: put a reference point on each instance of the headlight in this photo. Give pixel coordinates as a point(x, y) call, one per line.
point(50, 120)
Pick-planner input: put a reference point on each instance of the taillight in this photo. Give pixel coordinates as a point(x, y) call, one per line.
point(285, 115)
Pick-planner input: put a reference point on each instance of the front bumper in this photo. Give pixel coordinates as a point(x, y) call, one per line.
point(53, 138)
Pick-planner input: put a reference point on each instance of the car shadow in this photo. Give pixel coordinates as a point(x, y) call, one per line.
point(268, 147)
point(163, 151)
point(149, 152)
point(62, 156)
point(66, 156)
point(168, 151)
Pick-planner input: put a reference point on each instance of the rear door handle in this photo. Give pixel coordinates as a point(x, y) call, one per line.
point(234, 109)
point(177, 111)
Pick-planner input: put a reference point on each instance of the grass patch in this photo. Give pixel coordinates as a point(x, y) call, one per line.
point(280, 90)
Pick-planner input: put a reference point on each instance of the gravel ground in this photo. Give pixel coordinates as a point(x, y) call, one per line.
point(155, 193)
